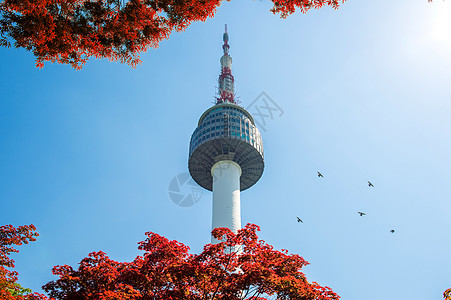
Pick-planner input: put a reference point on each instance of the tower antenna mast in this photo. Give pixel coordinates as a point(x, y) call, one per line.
point(226, 91)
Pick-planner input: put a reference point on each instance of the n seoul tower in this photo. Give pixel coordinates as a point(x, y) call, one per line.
point(226, 150)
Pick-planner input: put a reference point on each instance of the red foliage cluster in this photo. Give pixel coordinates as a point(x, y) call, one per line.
point(9, 235)
point(241, 267)
point(71, 31)
point(447, 294)
point(287, 7)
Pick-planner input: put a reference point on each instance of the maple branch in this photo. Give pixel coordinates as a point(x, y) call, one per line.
point(247, 292)
point(257, 292)
point(220, 282)
point(72, 31)
point(229, 256)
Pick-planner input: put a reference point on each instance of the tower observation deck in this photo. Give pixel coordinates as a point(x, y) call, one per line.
point(226, 150)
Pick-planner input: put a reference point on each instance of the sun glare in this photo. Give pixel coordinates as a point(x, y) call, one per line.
point(439, 32)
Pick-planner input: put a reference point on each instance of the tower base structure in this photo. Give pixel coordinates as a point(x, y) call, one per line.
point(226, 196)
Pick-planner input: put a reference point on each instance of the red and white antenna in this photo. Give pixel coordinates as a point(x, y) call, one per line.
point(226, 91)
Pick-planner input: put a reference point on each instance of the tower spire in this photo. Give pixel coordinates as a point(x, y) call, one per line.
point(225, 38)
point(226, 92)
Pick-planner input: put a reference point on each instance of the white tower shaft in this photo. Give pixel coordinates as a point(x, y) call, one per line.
point(226, 196)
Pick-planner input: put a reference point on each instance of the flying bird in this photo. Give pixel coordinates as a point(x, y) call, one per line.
point(361, 213)
point(319, 174)
point(392, 231)
point(299, 220)
point(370, 184)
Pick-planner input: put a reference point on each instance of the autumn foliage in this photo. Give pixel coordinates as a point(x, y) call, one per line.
point(9, 236)
point(71, 31)
point(447, 294)
point(241, 267)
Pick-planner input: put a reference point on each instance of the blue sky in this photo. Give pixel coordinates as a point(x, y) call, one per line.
point(87, 156)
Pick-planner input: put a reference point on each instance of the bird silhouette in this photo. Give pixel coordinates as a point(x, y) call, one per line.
point(299, 220)
point(319, 174)
point(392, 231)
point(361, 213)
point(370, 184)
